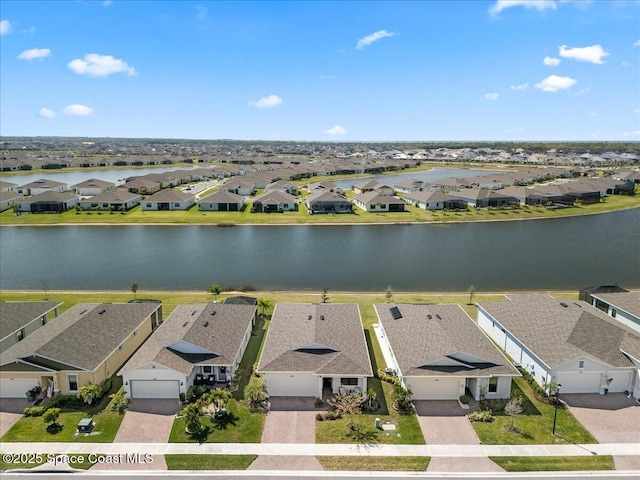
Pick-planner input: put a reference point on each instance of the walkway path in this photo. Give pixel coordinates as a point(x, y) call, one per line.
point(306, 449)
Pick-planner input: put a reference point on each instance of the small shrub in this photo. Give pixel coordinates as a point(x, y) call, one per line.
point(483, 416)
point(385, 377)
point(319, 403)
point(105, 388)
point(66, 402)
point(195, 393)
point(464, 399)
point(494, 405)
point(319, 416)
point(34, 411)
point(331, 415)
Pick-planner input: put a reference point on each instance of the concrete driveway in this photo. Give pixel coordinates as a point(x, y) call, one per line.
point(443, 422)
point(147, 421)
point(290, 420)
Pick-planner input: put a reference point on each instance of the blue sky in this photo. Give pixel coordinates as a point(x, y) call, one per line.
point(500, 70)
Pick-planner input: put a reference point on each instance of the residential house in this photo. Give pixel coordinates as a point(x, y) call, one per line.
point(200, 344)
point(311, 349)
point(283, 186)
point(274, 202)
point(618, 303)
point(372, 201)
point(42, 186)
point(118, 200)
point(143, 186)
point(8, 200)
point(20, 319)
point(92, 187)
point(569, 343)
point(372, 186)
point(87, 343)
point(49, 202)
point(484, 197)
point(434, 200)
point(439, 353)
point(7, 187)
point(321, 187)
point(221, 201)
point(451, 184)
point(239, 187)
point(169, 199)
point(410, 186)
point(328, 202)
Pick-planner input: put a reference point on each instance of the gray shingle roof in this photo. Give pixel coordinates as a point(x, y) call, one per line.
point(558, 334)
point(169, 195)
point(117, 196)
point(326, 339)
point(221, 334)
point(82, 337)
point(61, 197)
point(627, 301)
point(373, 197)
point(222, 197)
point(432, 340)
point(15, 315)
point(93, 183)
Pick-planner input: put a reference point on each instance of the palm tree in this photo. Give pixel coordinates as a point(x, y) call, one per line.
point(263, 304)
point(255, 391)
point(215, 291)
point(325, 297)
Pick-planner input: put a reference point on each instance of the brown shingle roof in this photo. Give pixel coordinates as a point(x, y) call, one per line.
point(627, 301)
point(321, 338)
point(429, 340)
point(219, 337)
point(15, 315)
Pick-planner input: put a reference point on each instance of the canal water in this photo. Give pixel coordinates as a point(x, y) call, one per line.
point(563, 253)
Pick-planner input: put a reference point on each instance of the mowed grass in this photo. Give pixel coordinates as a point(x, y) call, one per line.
point(208, 462)
point(241, 426)
point(535, 423)
point(373, 464)
point(550, 464)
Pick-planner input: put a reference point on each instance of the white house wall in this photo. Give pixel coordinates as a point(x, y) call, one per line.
point(626, 318)
point(621, 378)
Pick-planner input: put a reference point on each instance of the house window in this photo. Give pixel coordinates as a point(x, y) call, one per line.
point(176, 204)
point(614, 312)
point(206, 369)
point(44, 320)
point(149, 205)
point(348, 381)
point(20, 335)
point(581, 364)
point(73, 382)
point(493, 385)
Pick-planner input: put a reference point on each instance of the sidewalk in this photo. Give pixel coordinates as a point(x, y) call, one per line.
point(331, 449)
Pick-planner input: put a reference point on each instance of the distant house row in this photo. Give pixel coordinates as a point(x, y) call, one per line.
point(311, 350)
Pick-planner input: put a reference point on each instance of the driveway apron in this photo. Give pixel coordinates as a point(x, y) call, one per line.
point(443, 422)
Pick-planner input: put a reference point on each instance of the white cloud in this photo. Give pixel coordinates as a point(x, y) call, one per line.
point(524, 86)
point(374, 37)
point(625, 64)
point(203, 13)
point(554, 83)
point(592, 54)
point(539, 5)
point(335, 130)
point(637, 44)
point(96, 65)
point(35, 53)
point(5, 27)
point(551, 62)
point(46, 113)
point(492, 97)
point(633, 133)
point(106, 3)
point(267, 102)
point(78, 110)
point(31, 29)
point(637, 110)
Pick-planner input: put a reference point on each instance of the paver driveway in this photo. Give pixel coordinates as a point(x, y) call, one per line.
point(444, 422)
point(10, 412)
point(147, 421)
point(290, 420)
point(611, 418)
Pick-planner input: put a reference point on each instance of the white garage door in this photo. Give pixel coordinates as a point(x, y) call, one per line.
point(435, 388)
point(579, 382)
point(299, 385)
point(155, 388)
point(15, 388)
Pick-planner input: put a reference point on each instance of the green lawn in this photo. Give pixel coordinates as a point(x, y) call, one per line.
point(535, 424)
point(398, 464)
point(549, 464)
point(208, 462)
point(251, 355)
point(242, 426)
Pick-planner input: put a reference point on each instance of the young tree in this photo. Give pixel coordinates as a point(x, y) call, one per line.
point(371, 396)
point(347, 404)
point(513, 409)
point(325, 297)
point(263, 305)
point(389, 294)
point(50, 417)
point(215, 291)
point(401, 397)
point(134, 289)
point(191, 415)
point(89, 393)
point(472, 294)
point(255, 392)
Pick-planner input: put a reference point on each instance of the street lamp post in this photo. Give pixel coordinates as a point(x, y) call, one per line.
point(555, 413)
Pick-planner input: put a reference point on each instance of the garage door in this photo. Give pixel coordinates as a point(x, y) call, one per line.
point(292, 385)
point(15, 388)
point(579, 382)
point(155, 388)
point(435, 388)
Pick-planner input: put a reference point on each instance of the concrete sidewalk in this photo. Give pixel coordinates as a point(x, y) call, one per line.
point(331, 449)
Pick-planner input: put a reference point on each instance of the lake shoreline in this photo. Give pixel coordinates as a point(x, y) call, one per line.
point(321, 224)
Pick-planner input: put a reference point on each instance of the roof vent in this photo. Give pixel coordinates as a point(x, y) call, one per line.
point(101, 311)
point(213, 312)
point(185, 324)
point(564, 305)
point(83, 312)
point(322, 317)
point(429, 316)
point(309, 317)
point(205, 324)
point(438, 317)
point(193, 313)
